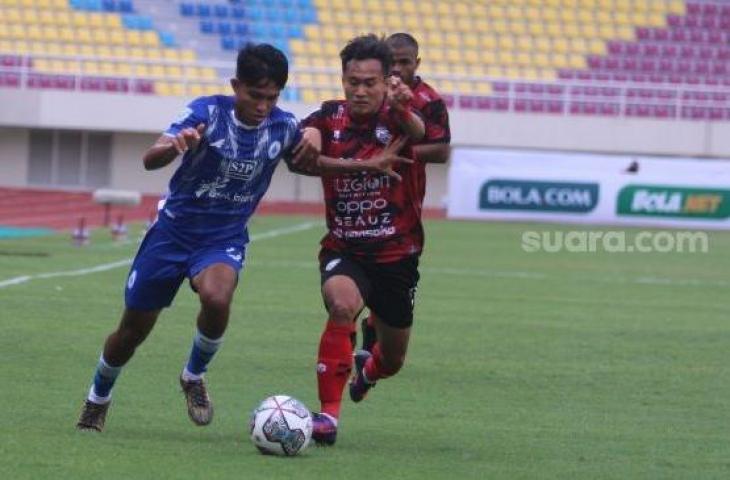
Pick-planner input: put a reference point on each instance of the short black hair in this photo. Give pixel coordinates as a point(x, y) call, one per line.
point(402, 39)
point(262, 62)
point(366, 47)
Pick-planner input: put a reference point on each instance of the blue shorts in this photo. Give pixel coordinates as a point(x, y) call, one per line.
point(162, 264)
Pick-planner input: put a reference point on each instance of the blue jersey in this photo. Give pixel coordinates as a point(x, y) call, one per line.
point(217, 187)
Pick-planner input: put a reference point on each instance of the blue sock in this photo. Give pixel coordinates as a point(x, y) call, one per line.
point(202, 353)
point(104, 379)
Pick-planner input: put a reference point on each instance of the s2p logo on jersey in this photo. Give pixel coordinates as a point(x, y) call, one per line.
point(242, 170)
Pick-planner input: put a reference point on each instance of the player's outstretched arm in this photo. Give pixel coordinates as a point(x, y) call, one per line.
point(168, 147)
point(381, 163)
point(433, 152)
point(399, 98)
point(305, 154)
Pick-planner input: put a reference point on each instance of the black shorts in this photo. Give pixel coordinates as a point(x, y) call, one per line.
point(389, 289)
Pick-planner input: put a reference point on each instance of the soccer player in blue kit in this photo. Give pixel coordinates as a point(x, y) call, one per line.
point(230, 146)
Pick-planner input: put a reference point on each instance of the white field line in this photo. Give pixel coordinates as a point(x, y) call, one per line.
point(127, 261)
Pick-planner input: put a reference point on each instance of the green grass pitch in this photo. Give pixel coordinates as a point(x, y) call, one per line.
point(522, 365)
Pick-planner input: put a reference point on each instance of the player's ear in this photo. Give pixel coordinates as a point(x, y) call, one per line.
point(418, 62)
point(235, 84)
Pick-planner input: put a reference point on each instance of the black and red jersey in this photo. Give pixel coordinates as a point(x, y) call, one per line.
point(369, 215)
point(433, 111)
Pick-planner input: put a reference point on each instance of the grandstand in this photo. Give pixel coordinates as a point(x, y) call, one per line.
point(662, 59)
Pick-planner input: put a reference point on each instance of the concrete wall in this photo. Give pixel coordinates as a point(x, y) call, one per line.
point(13, 157)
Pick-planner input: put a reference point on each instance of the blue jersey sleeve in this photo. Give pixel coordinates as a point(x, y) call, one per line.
point(193, 115)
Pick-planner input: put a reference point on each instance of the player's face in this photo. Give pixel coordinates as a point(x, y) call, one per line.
point(254, 102)
point(364, 85)
point(405, 64)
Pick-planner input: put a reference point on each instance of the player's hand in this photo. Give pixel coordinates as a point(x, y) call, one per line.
point(188, 138)
point(399, 95)
point(307, 151)
point(386, 160)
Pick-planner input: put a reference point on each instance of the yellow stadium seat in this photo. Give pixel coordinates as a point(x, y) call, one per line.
point(589, 31)
point(429, 23)
point(331, 49)
point(100, 36)
point(518, 28)
point(577, 61)
point(135, 52)
point(625, 33)
point(561, 45)
point(543, 44)
point(196, 90)
point(42, 64)
point(188, 55)
point(123, 69)
point(677, 7)
point(84, 36)
point(506, 43)
point(550, 15)
point(470, 40)
point(30, 16)
point(133, 38)
point(541, 60)
point(529, 73)
point(21, 47)
point(17, 32)
point(66, 35)
point(71, 50)
point(579, 45)
point(298, 47)
point(622, 4)
point(107, 69)
point(171, 54)
point(112, 20)
point(173, 71)
point(656, 20)
point(6, 46)
point(571, 30)
point(585, 16)
point(359, 19)
point(163, 88)
point(471, 57)
point(150, 39)
point(117, 37)
point(506, 58)
point(50, 34)
point(489, 42)
point(524, 58)
point(536, 29)
point(47, 18)
point(309, 95)
point(96, 20)
point(90, 68)
point(453, 55)
point(324, 3)
point(525, 43)
point(63, 18)
point(606, 31)
point(80, 19)
point(87, 51)
point(483, 88)
point(559, 60)
point(464, 87)
point(436, 55)
point(141, 70)
point(34, 32)
point(434, 39)
point(554, 29)
point(103, 51)
point(342, 17)
point(622, 18)
point(461, 9)
point(157, 71)
point(409, 6)
point(214, 89)
point(13, 16)
point(478, 70)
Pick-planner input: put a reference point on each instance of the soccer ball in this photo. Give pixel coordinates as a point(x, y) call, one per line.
point(281, 425)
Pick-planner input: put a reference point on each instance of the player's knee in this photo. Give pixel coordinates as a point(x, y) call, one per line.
point(342, 310)
point(131, 336)
point(215, 300)
point(392, 364)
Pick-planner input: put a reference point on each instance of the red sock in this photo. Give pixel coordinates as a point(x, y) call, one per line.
point(375, 369)
point(334, 364)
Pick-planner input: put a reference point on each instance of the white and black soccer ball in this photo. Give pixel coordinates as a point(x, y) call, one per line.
point(281, 425)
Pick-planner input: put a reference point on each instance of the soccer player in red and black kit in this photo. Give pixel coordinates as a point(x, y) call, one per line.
point(369, 256)
point(434, 148)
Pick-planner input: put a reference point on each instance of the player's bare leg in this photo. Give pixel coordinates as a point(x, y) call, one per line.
point(215, 286)
point(119, 347)
point(387, 358)
point(334, 362)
